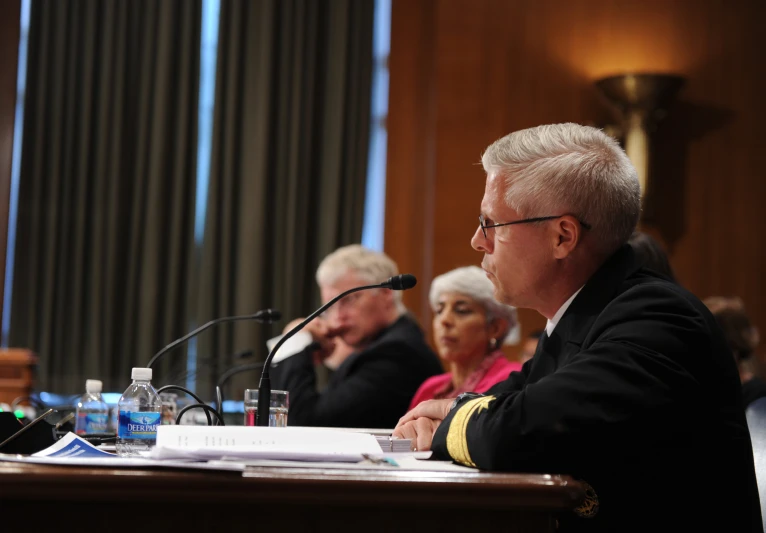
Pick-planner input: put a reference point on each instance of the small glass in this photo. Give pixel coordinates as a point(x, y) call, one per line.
point(169, 408)
point(277, 408)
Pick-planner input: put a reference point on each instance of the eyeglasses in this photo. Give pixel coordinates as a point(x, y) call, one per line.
point(344, 304)
point(485, 226)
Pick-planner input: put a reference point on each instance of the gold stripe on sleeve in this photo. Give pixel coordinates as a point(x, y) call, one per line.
point(457, 441)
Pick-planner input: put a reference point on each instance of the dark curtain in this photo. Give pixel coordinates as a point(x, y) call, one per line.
point(107, 187)
point(289, 164)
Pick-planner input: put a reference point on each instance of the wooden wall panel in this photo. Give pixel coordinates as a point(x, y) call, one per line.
point(409, 197)
point(494, 66)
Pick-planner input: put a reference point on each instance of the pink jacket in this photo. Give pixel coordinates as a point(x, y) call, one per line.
point(497, 372)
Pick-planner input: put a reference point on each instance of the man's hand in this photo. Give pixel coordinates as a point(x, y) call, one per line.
point(321, 333)
point(420, 431)
point(421, 423)
point(433, 409)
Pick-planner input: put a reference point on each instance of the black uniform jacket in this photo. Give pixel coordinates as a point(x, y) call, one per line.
point(634, 393)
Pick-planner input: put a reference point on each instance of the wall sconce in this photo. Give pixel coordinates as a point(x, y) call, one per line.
point(641, 100)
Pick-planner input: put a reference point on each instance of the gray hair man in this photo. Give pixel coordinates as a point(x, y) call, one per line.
point(632, 388)
point(387, 357)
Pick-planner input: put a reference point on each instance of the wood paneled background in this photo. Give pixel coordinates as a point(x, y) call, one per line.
point(466, 72)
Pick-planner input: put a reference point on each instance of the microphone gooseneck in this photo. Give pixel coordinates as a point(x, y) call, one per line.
point(226, 376)
point(266, 315)
point(396, 283)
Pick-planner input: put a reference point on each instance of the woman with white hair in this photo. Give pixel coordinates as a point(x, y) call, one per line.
point(469, 326)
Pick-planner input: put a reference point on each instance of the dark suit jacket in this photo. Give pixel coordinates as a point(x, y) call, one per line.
point(635, 393)
point(371, 388)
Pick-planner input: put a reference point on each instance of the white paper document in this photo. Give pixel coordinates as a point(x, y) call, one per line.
point(253, 442)
point(387, 442)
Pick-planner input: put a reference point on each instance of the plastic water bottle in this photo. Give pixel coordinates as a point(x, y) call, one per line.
point(140, 410)
point(92, 411)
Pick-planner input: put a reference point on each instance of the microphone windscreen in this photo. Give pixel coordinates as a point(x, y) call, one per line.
point(403, 282)
point(269, 315)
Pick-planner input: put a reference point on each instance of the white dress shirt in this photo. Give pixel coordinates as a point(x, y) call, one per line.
point(555, 320)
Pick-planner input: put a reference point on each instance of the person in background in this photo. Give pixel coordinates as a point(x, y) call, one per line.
point(743, 340)
point(373, 385)
point(651, 254)
point(529, 347)
point(633, 389)
point(469, 326)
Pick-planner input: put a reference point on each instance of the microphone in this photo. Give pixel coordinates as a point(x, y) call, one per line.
point(397, 283)
point(266, 315)
point(402, 282)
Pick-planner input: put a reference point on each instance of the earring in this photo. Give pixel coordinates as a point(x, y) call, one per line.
point(492, 344)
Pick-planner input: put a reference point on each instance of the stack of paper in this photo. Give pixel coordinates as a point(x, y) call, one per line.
point(387, 442)
point(393, 444)
point(254, 442)
point(72, 450)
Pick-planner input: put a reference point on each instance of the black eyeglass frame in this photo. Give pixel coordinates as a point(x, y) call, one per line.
point(484, 226)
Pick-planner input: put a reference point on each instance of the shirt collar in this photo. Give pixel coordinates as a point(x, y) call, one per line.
point(555, 320)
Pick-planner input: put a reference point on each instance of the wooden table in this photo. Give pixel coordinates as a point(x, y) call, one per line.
point(53, 498)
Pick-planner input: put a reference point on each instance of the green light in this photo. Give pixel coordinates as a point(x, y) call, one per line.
point(19, 413)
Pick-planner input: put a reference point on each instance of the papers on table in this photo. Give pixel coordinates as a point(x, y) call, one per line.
point(394, 445)
point(253, 442)
point(235, 447)
point(413, 462)
point(72, 450)
point(387, 442)
point(70, 446)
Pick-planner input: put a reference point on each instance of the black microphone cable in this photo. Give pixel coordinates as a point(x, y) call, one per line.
point(190, 393)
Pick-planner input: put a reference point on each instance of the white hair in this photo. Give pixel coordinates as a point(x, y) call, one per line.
point(562, 169)
point(369, 265)
point(471, 281)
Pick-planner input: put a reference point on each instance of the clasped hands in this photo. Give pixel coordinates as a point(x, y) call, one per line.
point(420, 424)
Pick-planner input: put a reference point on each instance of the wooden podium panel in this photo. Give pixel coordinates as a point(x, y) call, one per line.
point(17, 372)
point(42, 498)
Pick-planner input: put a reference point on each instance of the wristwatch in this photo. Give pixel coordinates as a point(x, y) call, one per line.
point(464, 396)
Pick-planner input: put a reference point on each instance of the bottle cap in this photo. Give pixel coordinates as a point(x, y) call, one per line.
point(93, 385)
point(144, 374)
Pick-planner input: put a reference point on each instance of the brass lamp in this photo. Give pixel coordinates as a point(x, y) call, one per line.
point(641, 100)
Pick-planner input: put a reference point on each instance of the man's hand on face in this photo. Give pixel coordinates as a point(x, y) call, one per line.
point(420, 424)
point(321, 333)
